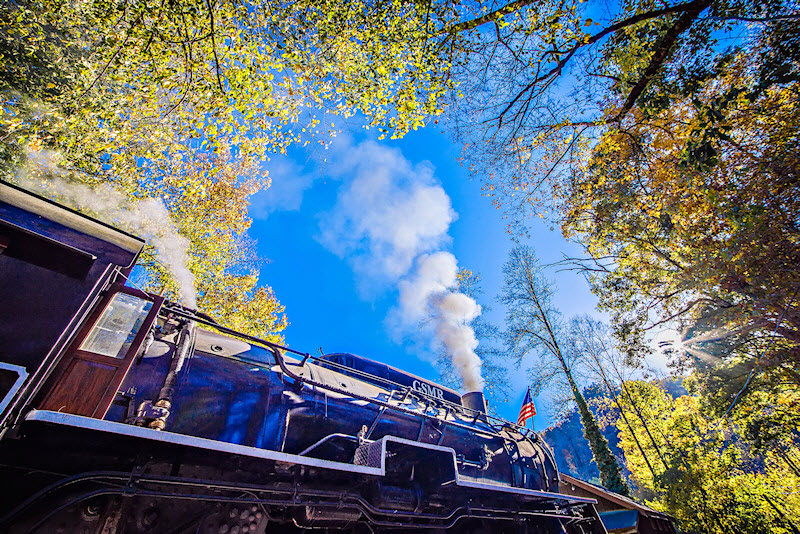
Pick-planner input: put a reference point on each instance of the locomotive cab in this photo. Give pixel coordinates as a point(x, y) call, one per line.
point(54, 265)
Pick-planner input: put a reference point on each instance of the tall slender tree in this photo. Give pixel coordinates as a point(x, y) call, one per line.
point(533, 326)
point(590, 338)
point(709, 480)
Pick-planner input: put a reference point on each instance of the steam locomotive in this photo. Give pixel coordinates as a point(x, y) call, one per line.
point(124, 412)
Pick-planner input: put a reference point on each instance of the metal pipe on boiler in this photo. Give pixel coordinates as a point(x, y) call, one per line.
point(165, 395)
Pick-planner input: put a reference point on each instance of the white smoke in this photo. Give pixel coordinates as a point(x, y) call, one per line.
point(387, 214)
point(391, 217)
point(435, 273)
point(426, 294)
point(147, 218)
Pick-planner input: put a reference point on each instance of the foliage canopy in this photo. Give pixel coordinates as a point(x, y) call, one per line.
point(710, 478)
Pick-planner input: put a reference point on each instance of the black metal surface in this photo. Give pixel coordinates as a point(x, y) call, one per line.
point(374, 448)
point(401, 506)
point(277, 350)
point(42, 251)
point(184, 474)
point(383, 375)
point(282, 408)
point(50, 276)
point(475, 401)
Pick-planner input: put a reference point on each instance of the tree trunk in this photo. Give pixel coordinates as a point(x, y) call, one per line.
point(610, 473)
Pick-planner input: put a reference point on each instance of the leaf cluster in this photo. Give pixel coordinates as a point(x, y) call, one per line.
point(690, 218)
point(704, 472)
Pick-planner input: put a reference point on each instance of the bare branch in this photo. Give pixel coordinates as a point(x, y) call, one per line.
point(214, 45)
point(488, 17)
point(661, 53)
point(758, 19)
point(692, 9)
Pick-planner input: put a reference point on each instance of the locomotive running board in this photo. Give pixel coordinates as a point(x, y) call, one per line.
point(376, 465)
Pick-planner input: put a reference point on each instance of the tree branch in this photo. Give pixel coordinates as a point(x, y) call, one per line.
point(758, 19)
point(661, 53)
point(214, 45)
point(488, 17)
point(688, 7)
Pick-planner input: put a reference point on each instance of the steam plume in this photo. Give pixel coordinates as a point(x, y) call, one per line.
point(426, 294)
point(391, 221)
point(387, 215)
point(147, 218)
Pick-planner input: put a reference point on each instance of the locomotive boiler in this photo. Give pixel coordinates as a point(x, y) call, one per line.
point(124, 412)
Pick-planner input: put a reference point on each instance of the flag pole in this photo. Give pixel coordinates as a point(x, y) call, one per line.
point(533, 424)
point(527, 411)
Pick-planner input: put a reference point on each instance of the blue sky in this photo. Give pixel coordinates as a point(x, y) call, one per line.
point(323, 228)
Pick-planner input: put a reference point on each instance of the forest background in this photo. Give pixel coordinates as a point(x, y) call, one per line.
point(661, 137)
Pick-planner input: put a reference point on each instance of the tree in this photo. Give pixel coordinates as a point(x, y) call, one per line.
point(94, 79)
point(710, 481)
point(560, 107)
point(689, 214)
point(209, 199)
point(543, 82)
point(669, 155)
point(571, 450)
point(158, 99)
point(592, 340)
point(204, 258)
point(533, 326)
point(522, 77)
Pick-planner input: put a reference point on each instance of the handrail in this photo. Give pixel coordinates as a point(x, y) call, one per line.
point(326, 439)
point(276, 348)
point(379, 402)
point(189, 314)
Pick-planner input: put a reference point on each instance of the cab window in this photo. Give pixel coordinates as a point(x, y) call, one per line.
point(117, 327)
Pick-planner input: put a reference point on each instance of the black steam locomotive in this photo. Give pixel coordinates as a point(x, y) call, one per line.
point(123, 412)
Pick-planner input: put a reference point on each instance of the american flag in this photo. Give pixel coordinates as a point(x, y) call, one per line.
point(528, 409)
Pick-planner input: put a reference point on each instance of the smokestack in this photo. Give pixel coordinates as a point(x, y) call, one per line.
point(474, 400)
